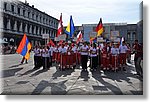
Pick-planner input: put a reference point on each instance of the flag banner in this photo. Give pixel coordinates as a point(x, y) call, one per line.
point(45, 36)
point(24, 47)
point(121, 40)
point(79, 37)
point(70, 28)
point(56, 39)
point(62, 37)
point(60, 26)
point(51, 43)
point(114, 33)
point(99, 28)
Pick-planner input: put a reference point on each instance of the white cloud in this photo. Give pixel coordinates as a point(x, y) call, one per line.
point(89, 11)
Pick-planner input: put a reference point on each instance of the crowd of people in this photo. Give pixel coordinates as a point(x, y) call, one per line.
point(7, 49)
point(107, 56)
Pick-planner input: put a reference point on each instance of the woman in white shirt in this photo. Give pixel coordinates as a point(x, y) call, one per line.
point(93, 56)
point(84, 56)
point(114, 58)
point(45, 57)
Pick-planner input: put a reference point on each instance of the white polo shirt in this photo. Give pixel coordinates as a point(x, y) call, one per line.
point(45, 53)
point(93, 52)
point(51, 49)
point(37, 52)
point(74, 49)
point(63, 50)
point(114, 51)
point(84, 48)
point(123, 49)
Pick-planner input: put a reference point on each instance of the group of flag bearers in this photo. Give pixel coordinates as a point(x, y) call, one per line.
point(106, 56)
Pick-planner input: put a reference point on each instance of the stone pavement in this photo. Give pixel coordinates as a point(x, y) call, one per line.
point(23, 79)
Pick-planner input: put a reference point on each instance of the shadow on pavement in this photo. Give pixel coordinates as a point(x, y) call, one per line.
point(9, 72)
point(28, 72)
point(56, 88)
point(59, 73)
point(17, 65)
point(113, 88)
point(84, 75)
point(38, 72)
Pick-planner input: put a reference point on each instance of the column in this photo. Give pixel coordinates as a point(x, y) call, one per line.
point(38, 32)
point(15, 26)
point(20, 29)
point(26, 26)
point(41, 30)
point(30, 30)
point(34, 30)
point(8, 24)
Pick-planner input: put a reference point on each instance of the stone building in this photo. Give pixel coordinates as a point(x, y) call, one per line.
point(19, 18)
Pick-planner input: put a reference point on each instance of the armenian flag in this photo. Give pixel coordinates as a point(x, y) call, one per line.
point(99, 28)
point(24, 47)
point(70, 28)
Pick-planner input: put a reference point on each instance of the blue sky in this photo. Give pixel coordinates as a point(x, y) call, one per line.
point(89, 11)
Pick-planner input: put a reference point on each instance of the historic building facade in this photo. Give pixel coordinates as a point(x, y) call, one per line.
point(128, 31)
point(19, 18)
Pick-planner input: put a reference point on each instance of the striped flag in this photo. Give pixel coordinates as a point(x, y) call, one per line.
point(79, 37)
point(99, 28)
point(24, 47)
point(60, 26)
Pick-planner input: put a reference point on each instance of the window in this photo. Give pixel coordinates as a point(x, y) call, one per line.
point(12, 8)
point(18, 10)
point(23, 12)
point(40, 19)
point(128, 35)
point(29, 14)
point(133, 35)
point(43, 20)
point(37, 17)
point(32, 16)
point(5, 6)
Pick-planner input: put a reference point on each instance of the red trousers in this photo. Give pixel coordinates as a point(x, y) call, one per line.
point(74, 55)
point(122, 58)
point(69, 60)
point(105, 60)
point(114, 61)
point(63, 60)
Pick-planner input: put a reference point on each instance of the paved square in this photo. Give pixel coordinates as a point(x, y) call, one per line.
point(23, 79)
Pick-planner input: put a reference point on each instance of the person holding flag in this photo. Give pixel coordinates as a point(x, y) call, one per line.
point(24, 48)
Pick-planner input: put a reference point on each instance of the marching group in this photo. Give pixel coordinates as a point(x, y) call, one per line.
point(107, 56)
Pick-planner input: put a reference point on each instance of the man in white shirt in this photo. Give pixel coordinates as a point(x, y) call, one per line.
point(84, 56)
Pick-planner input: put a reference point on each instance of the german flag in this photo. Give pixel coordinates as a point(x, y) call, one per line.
point(99, 28)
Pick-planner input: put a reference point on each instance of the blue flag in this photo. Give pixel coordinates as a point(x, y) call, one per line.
point(70, 28)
